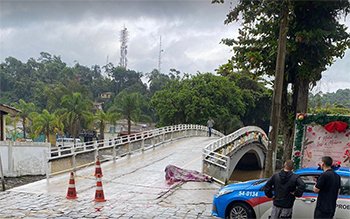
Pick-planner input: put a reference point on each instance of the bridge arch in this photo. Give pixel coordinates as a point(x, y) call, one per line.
point(221, 157)
point(258, 156)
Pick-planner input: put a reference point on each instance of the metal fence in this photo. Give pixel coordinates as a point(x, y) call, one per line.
point(75, 156)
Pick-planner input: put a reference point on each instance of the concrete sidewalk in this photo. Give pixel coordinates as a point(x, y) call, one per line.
point(134, 188)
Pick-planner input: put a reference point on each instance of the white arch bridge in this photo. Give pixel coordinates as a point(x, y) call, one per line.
point(246, 147)
point(76, 156)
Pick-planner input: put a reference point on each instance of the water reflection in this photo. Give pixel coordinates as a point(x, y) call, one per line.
point(244, 175)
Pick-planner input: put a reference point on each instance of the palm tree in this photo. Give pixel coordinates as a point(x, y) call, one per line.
point(13, 121)
point(128, 105)
point(47, 123)
point(102, 117)
point(25, 109)
point(75, 112)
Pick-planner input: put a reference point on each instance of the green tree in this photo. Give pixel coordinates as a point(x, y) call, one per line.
point(50, 68)
point(314, 40)
point(157, 81)
point(47, 123)
point(75, 112)
point(99, 83)
point(19, 78)
point(128, 105)
point(255, 96)
point(331, 109)
point(13, 121)
point(340, 97)
point(194, 99)
point(53, 94)
point(169, 104)
point(101, 118)
point(25, 110)
point(125, 78)
point(45, 80)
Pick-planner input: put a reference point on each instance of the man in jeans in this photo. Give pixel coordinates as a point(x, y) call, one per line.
point(283, 187)
point(327, 187)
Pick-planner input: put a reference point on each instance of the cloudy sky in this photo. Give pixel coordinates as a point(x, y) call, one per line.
point(88, 32)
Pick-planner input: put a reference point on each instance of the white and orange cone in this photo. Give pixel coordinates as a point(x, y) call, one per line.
point(98, 170)
point(99, 195)
point(71, 193)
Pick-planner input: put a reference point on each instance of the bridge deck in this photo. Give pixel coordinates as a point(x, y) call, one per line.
point(133, 187)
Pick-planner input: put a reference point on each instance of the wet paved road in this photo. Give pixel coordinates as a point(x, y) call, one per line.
point(134, 188)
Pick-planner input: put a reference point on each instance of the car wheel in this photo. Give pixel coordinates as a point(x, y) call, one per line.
point(240, 211)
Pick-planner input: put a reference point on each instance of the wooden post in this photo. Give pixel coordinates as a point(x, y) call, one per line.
point(2, 126)
point(2, 175)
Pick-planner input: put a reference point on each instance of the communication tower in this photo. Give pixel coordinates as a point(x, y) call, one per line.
point(123, 47)
point(160, 54)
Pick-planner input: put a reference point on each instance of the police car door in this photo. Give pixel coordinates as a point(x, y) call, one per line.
point(343, 202)
point(304, 206)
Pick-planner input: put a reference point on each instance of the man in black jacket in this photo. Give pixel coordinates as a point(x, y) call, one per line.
point(283, 187)
point(327, 187)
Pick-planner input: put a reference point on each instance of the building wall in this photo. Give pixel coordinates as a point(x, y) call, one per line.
point(24, 158)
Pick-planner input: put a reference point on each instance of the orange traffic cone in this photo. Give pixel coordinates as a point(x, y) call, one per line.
point(71, 193)
point(99, 196)
point(98, 170)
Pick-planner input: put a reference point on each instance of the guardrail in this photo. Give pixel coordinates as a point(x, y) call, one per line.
point(65, 159)
point(216, 153)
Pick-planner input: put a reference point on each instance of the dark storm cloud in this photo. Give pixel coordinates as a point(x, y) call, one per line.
point(27, 12)
point(76, 29)
point(88, 32)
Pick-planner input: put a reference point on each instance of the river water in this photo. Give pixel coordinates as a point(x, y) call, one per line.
point(244, 175)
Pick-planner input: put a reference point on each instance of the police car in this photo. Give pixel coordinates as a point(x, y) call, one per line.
point(247, 200)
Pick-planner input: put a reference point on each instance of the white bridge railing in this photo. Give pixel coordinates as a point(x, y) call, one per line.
point(217, 153)
point(79, 155)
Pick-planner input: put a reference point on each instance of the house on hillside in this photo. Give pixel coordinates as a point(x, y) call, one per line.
point(106, 95)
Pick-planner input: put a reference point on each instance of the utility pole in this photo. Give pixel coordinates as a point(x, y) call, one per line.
point(160, 54)
point(277, 91)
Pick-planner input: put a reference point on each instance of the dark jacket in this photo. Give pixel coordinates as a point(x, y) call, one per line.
point(283, 187)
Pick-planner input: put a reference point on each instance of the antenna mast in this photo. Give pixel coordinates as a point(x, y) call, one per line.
point(160, 54)
point(123, 47)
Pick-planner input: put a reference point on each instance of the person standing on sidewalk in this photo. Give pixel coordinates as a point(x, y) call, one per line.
point(327, 187)
point(283, 187)
point(210, 125)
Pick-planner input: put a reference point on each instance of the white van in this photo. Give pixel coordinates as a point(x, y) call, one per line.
point(66, 142)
